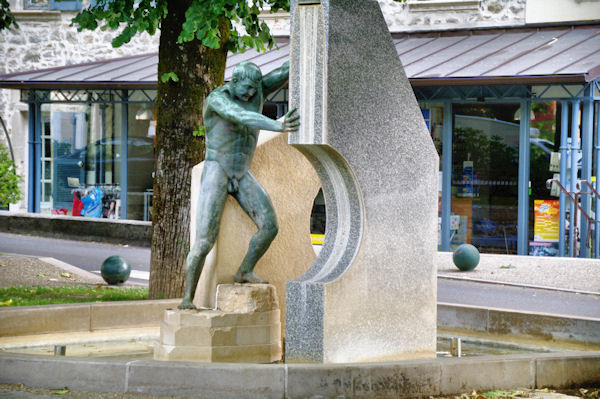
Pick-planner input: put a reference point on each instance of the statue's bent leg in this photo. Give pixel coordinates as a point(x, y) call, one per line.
point(256, 203)
point(211, 201)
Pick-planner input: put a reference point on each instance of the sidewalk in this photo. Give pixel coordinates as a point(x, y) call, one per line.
point(572, 274)
point(17, 270)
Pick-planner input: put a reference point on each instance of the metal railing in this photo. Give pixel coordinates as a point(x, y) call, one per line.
point(574, 198)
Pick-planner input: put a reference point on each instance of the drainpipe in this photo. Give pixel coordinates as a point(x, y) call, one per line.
point(31, 161)
point(587, 134)
point(573, 178)
point(597, 185)
point(446, 175)
point(124, 154)
point(564, 134)
point(523, 188)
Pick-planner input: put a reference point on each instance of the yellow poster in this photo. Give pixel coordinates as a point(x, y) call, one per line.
point(546, 221)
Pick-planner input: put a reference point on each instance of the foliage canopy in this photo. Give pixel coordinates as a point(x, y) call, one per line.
point(7, 19)
point(9, 179)
point(202, 20)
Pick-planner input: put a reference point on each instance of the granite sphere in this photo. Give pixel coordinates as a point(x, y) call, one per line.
point(115, 270)
point(466, 257)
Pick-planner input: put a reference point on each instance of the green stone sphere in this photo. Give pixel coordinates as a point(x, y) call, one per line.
point(466, 257)
point(115, 270)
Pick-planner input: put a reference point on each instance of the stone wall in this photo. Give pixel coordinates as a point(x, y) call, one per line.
point(44, 40)
point(419, 15)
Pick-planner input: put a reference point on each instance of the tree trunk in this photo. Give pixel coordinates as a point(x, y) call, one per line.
point(179, 113)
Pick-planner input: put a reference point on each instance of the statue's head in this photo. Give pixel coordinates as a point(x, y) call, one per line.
point(246, 79)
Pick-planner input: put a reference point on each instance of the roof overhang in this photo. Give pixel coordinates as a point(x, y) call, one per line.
point(49, 85)
point(567, 54)
point(500, 80)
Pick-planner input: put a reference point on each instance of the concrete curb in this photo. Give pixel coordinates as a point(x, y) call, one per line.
point(417, 378)
point(540, 329)
point(30, 320)
point(130, 232)
point(73, 269)
point(480, 322)
point(540, 287)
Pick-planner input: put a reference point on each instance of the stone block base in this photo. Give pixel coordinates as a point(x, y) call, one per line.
point(245, 328)
point(220, 354)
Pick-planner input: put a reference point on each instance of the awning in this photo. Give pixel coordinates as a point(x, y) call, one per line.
point(551, 54)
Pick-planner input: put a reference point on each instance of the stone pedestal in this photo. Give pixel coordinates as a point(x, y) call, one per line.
point(245, 328)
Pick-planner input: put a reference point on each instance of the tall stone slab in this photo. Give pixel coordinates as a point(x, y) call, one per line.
point(371, 293)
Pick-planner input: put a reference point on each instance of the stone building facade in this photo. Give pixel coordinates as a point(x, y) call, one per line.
point(45, 39)
point(414, 15)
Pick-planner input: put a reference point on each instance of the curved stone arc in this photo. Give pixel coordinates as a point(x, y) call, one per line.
point(344, 210)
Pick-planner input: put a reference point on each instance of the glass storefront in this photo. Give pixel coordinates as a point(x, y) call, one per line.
point(485, 155)
point(140, 158)
point(433, 115)
point(81, 133)
point(544, 164)
point(81, 159)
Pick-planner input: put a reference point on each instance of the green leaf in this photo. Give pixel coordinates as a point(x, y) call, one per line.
point(509, 266)
point(165, 77)
point(199, 132)
point(61, 392)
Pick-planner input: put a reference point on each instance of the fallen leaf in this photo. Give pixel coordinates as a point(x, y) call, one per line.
point(62, 392)
point(7, 303)
point(52, 279)
point(66, 275)
point(509, 266)
point(42, 275)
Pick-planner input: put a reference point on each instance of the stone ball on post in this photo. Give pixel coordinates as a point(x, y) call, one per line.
point(115, 270)
point(466, 257)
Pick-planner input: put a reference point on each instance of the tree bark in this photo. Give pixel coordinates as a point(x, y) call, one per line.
point(179, 113)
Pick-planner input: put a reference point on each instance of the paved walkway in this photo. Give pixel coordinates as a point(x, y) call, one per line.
point(571, 274)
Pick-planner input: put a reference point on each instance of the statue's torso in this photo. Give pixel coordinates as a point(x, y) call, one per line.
point(231, 144)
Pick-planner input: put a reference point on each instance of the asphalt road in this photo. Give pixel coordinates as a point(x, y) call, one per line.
point(518, 298)
point(89, 256)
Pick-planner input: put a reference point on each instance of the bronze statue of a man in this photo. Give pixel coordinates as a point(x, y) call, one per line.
point(232, 120)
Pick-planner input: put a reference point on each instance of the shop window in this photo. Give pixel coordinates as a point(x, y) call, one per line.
point(485, 154)
point(65, 5)
point(433, 115)
point(141, 130)
point(35, 4)
point(81, 177)
point(60, 5)
point(544, 164)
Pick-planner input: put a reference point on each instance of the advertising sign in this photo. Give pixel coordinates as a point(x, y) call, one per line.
point(546, 220)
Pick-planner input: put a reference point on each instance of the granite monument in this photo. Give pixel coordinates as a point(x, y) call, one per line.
point(371, 293)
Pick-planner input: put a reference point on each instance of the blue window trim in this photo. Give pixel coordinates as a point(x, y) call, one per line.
point(65, 5)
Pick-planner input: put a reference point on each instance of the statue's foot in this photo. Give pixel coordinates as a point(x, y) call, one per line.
point(186, 304)
point(249, 278)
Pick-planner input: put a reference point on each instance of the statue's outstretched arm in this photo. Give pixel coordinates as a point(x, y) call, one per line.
point(276, 79)
point(229, 110)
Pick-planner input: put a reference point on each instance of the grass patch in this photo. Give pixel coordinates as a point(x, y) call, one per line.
point(29, 296)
